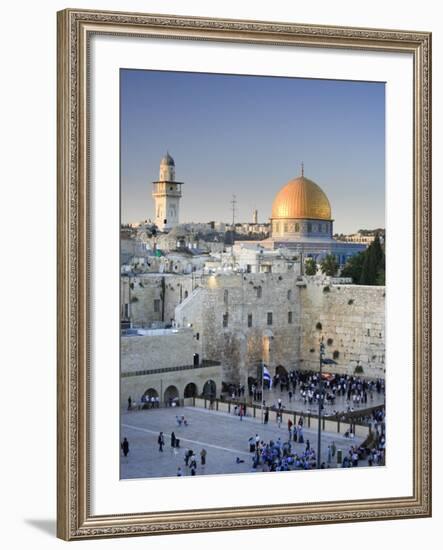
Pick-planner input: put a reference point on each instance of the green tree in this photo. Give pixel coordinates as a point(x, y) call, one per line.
point(329, 265)
point(310, 266)
point(353, 267)
point(381, 279)
point(373, 264)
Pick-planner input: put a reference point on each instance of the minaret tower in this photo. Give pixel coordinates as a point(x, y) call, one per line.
point(255, 216)
point(167, 194)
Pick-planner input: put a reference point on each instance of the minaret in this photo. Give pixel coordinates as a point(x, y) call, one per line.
point(255, 216)
point(167, 194)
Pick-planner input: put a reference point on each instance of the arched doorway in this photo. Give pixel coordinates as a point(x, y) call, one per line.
point(170, 395)
point(209, 389)
point(190, 390)
point(151, 392)
point(150, 399)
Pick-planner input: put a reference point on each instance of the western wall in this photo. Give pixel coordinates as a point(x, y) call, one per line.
point(242, 319)
point(351, 321)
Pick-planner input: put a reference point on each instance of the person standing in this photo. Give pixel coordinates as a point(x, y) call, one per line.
point(160, 441)
point(173, 440)
point(203, 454)
point(129, 403)
point(333, 449)
point(188, 454)
point(125, 447)
point(193, 464)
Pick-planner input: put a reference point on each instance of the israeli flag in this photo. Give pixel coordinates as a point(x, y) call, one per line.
point(267, 376)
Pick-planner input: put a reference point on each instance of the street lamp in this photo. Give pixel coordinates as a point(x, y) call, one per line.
point(320, 402)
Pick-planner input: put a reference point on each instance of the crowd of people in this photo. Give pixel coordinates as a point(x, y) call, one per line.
point(282, 455)
point(305, 388)
point(146, 401)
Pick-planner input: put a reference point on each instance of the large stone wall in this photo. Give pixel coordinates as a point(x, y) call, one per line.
point(351, 321)
point(350, 318)
point(240, 347)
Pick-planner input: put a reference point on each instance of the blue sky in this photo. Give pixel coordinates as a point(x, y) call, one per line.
point(247, 135)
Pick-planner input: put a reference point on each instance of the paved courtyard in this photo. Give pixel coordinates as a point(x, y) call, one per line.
point(297, 402)
point(223, 436)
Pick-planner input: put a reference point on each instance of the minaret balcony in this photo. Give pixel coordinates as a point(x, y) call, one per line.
point(167, 189)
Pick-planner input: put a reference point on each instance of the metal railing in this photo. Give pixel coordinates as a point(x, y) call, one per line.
point(204, 364)
point(357, 418)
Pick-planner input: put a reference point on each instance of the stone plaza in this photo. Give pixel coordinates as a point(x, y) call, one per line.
point(224, 436)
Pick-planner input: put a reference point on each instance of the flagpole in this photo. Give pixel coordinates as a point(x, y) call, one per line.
point(262, 389)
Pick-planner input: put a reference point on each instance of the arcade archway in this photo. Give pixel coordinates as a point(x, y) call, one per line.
point(190, 390)
point(170, 395)
point(209, 389)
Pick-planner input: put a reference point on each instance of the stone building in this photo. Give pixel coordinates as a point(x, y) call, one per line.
point(167, 364)
point(148, 300)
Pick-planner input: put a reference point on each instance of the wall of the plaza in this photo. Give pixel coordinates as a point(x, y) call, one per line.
point(159, 349)
point(351, 321)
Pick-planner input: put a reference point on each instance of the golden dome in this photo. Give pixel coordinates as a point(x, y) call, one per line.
point(301, 198)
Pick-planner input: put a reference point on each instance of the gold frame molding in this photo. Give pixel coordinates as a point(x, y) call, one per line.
point(74, 519)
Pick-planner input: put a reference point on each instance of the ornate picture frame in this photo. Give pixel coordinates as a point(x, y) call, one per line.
point(75, 519)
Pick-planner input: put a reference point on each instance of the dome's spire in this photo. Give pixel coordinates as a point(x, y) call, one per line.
point(302, 168)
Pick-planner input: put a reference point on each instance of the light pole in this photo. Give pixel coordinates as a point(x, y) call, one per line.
point(320, 402)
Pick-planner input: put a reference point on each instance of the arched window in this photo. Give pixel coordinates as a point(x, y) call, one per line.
point(297, 227)
point(225, 297)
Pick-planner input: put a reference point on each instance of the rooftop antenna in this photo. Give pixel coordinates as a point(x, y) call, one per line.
point(233, 203)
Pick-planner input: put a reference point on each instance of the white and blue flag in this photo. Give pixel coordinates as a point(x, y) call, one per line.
point(267, 376)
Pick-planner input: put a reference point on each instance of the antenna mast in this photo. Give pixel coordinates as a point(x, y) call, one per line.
point(234, 204)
